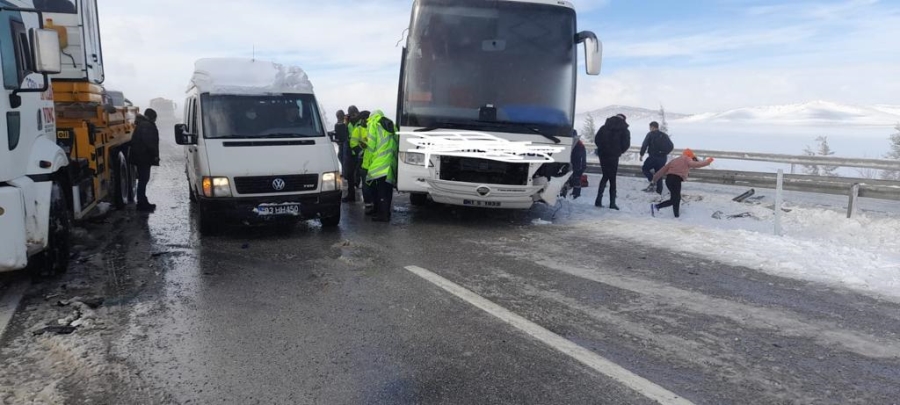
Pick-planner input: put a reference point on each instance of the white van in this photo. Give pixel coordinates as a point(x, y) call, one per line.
point(256, 145)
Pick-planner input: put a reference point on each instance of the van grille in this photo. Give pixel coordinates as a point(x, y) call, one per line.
point(483, 171)
point(267, 184)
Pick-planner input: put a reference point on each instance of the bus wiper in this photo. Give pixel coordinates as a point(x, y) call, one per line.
point(439, 125)
point(486, 126)
point(526, 127)
point(542, 133)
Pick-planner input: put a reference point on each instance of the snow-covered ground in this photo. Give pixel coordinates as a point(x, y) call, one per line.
point(819, 242)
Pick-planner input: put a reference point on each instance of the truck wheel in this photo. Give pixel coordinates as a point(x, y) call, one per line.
point(132, 183)
point(418, 199)
point(55, 259)
point(121, 186)
point(331, 222)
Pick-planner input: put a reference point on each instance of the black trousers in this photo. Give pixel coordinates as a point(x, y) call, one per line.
point(143, 176)
point(610, 167)
point(349, 164)
point(673, 182)
point(384, 195)
point(652, 165)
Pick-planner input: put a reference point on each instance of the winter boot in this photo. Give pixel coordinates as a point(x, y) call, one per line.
point(612, 202)
point(599, 201)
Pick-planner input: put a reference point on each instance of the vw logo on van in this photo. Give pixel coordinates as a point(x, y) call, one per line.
point(278, 184)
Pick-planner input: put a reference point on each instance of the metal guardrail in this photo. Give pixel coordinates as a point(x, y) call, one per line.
point(876, 164)
point(870, 188)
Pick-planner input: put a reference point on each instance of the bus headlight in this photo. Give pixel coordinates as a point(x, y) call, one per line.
point(331, 181)
point(216, 187)
point(413, 158)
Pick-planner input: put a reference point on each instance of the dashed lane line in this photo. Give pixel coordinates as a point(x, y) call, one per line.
point(590, 359)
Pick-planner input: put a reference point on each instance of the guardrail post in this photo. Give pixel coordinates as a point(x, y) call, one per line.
point(854, 200)
point(779, 186)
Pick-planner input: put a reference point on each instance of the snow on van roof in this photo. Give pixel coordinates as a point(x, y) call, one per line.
point(248, 76)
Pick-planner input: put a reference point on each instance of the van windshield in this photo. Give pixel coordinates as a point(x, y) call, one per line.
point(269, 116)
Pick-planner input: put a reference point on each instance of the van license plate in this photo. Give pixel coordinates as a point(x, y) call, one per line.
point(286, 209)
point(474, 203)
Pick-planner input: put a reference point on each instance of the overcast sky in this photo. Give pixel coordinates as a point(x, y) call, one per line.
point(696, 56)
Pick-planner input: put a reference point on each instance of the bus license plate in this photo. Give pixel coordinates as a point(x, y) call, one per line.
point(474, 203)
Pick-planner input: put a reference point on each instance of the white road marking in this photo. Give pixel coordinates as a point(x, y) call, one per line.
point(603, 366)
point(9, 302)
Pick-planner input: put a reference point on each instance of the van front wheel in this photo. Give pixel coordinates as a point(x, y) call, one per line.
point(330, 222)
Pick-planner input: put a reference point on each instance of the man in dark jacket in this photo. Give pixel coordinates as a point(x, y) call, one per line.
point(613, 139)
point(579, 164)
point(144, 154)
point(342, 137)
point(657, 145)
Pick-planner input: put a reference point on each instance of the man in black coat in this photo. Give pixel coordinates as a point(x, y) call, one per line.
point(342, 137)
point(657, 145)
point(613, 139)
point(144, 154)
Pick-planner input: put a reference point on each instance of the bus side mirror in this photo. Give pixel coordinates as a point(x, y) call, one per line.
point(593, 52)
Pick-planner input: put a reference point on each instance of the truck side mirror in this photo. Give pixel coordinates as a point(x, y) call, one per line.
point(183, 138)
point(593, 51)
point(46, 51)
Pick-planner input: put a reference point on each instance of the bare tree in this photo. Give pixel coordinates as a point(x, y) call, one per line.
point(893, 154)
point(822, 149)
point(867, 173)
point(663, 123)
point(590, 126)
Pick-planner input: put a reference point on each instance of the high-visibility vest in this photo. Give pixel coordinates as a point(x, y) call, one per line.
point(383, 147)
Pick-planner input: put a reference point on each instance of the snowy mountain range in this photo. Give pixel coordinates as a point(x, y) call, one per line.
point(811, 113)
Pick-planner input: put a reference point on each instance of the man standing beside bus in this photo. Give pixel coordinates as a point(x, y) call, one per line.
point(382, 150)
point(613, 139)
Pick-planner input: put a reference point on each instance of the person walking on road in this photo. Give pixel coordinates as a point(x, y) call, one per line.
point(613, 139)
point(657, 146)
point(382, 148)
point(144, 155)
point(579, 164)
point(676, 172)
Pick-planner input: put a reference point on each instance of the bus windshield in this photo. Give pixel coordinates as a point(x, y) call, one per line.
point(516, 59)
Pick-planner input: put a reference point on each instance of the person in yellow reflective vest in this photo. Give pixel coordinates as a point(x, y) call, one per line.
point(382, 149)
point(350, 161)
point(361, 133)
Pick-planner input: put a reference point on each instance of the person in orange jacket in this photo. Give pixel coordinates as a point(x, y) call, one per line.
point(676, 172)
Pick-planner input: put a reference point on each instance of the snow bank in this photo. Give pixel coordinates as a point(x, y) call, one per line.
point(246, 76)
point(819, 244)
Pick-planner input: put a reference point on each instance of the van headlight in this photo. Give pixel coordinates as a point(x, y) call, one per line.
point(331, 181)
point(216, 187)
point(413, 158)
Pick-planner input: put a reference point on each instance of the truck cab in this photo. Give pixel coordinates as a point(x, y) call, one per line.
point(256, 146)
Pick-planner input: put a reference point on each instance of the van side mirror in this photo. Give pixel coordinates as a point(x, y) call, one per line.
point(182, 137)
point(45, 44)
point(593, 51)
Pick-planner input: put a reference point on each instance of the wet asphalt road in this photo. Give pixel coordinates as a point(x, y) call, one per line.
point(258, 315)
